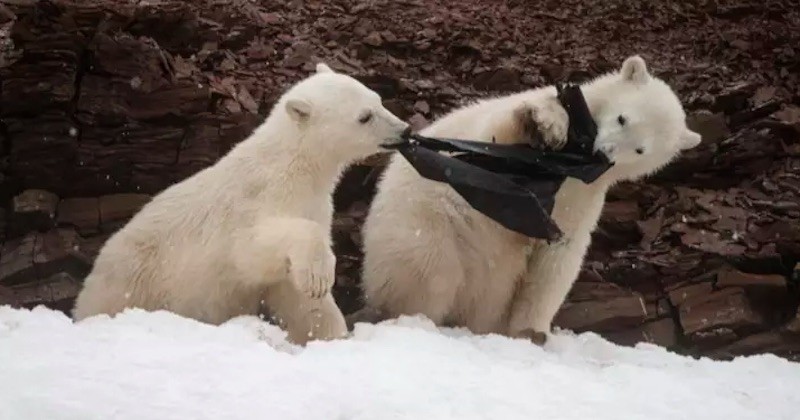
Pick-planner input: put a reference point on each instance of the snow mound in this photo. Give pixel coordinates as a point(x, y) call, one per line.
point(157, 365)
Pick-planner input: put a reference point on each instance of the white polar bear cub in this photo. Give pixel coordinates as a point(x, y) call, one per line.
point(428, 252)
point(255, 227)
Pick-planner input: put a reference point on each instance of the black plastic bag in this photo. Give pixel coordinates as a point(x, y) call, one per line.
point(515, 185)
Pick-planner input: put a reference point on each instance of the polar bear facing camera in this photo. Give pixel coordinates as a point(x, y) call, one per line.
point(428, 252)
point(254, 228)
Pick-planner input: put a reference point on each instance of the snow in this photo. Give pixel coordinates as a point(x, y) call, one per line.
point(158, 365)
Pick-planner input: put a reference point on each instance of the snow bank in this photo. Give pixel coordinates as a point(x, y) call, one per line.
point(146, 366)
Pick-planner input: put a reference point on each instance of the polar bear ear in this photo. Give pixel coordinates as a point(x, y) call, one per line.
point(689, 139)
point(634, 70)
point(298, 109)
point(323, 68)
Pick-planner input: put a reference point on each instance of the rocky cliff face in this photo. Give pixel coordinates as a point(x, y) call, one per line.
point(105, 103)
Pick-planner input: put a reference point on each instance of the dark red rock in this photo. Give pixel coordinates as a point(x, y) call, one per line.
point(54, 253)
point(711, 126)
point(607, 315)
point(789, 116)
point(418, 122)
point(734, 97)
point(8, 297)
point(620, 211)
point(16, 260)
point(82, 213)
point(680, 295)
point(662, 332)
point(87, 249)
point(726, 310)
point(58, 290)
point(422, 107)
point(783, 343)
point(735, 278)
point(117, 209)
point(374, 39)
point(592, 291)
point(501, 79)
point(33, 210)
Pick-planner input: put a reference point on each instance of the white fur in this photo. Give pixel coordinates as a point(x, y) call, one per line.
point(427, 251)
point(255, 227)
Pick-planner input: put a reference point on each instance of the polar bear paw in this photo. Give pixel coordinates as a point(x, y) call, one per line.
point(536, 337)
point(315, 273)
point(545, 123)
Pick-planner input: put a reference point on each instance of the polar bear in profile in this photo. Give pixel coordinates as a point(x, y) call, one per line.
point(428, 252)
point(253, 229)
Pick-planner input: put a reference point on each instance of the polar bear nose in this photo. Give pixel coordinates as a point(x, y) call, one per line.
point(406, 132)
point(607, 149)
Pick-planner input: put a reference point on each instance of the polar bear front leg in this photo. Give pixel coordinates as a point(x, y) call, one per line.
point(279, 249)
point(544, 122)
point(305, 318)
point(552, 269)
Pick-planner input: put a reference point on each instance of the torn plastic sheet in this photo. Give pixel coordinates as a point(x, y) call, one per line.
point(515, 185)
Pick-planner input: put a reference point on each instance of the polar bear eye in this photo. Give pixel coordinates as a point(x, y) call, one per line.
point(365, 118)
point(621, 120)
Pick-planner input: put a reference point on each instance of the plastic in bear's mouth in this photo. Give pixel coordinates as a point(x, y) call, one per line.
point(394, 144)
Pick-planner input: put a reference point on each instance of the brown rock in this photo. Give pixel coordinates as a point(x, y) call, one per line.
point(764, 94)
point(662, 332)
point(735, 278)
point(710, 125)
point(587, 291)
point(794, 324)
point(785, 343)
point(734, 98)
point(33, 210)
point(501, 79)
point(16, 260)
point(650, 229)
point(298, 55)
point(247, 101)
point(2, 223)
point(87, 249)
point(608, 315)
point(8, 297)
point(740, 44)
point(6, 15)
point(678, 296)
point(54, 252)
point(83, 213)
point(790, 116)
point(374, 39)
point(711, 242)
point(119, 208)
point(620, 211)
point(552, 72)
point(64, 286)
point(726, 310)
point(663, 308)
point(418, 122)
point(397, 107)
point(33, 294)
point(422, 107)
point(49, 291)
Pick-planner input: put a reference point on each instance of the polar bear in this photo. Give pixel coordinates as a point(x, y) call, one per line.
point(254, 228)
point(428, 252)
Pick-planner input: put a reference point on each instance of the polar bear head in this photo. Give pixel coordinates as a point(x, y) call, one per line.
point(641, 122)
point(337, 115)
